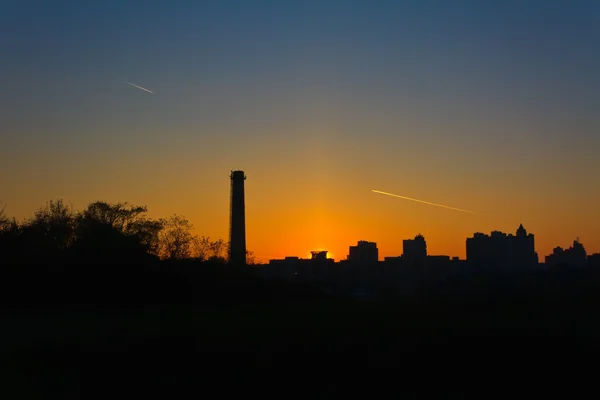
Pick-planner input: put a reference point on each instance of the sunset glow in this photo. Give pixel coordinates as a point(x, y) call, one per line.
point(318, 102)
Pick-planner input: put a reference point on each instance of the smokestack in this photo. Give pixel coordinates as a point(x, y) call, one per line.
point(237, 226)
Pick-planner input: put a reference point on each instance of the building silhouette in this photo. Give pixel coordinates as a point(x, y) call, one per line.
point(319, 255)
point(414, 251)
point(318, 267)
point(574, 256)
point(500, 249)
point(237, 226)
point(364, 253)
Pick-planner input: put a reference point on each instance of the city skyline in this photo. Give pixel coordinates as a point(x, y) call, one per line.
point(237, 237)
point(319, 103)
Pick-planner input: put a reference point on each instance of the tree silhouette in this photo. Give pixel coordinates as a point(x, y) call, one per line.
point(115, 231)
point(147, 231)
point(11, 242)
point(53, 225)
point(206, 250)
point(4, 221)
point(250, 258)
point(104, 233)
point(218, 251)
point(117, 216)
point(175, 238)
point(201, 246)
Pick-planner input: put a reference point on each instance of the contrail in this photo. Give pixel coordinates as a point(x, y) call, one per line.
point(139, 87)
point(425, 202)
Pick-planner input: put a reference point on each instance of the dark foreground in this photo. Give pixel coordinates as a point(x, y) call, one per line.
point(128, 329)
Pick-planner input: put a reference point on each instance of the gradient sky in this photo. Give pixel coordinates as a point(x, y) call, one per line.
point(491, 106)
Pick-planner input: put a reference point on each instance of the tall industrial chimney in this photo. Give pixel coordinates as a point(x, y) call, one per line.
point(237, 227)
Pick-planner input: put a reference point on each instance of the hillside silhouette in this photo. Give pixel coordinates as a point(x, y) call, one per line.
point(151, 305)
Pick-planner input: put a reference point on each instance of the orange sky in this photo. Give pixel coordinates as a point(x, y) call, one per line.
point(484, 106)
point(289, 214)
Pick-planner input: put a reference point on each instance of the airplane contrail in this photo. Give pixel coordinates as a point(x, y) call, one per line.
point(424, 202)
point(139, 87)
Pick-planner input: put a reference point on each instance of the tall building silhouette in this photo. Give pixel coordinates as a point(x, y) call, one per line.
point(574, 256)
point(364, 253)
point(414, 251)
point(237, 226)
point(500, 249)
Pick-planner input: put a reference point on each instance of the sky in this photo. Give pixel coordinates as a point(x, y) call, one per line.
point(484, 106)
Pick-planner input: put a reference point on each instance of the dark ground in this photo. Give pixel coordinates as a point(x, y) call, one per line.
point(127, 329)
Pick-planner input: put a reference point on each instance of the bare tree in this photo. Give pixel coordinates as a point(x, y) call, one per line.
point(54, 224)
point(175, 238)
point(219, 250)
point(201, 248)
point(250, 258)
point(4, 221)
point(204, 249)
point(117, 215)
point(148, 232)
